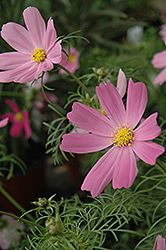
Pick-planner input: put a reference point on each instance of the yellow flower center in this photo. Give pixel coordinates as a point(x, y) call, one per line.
point(71, 58)
point(38, 55)
point(122, 136)
point(101, 110)
point(18, 117)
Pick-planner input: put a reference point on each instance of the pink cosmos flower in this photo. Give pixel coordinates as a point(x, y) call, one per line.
point(159, 59)
point(9, 233)
point(4, 122)
point(20, 120)
point(159, 243)
point(163, 33)
point(116, 130)
point(36, 48)
point(72, 64)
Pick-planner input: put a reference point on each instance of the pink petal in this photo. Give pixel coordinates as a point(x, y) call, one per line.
point(136, 102)
point(161, 77)
point(55, 53)
point(102, 173)
point(125, 169)
point(10, 116)
point(159, 60)
point(25, 73)
point(25, 115)
point(111, 102)
point(4, 122)
point(12, 105)
point(35, 25)
point(83, 143)
point(46, 65)
point(159, 243)
point(90, 120)
point(12, 60)
point(148, 129)
point(17, 37)
point(16, 129)
point(121, 83)
point(147, 151)
point(50, 36)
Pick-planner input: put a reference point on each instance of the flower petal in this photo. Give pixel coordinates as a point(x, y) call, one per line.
point(12, 105)
point(147, 151)
point(159, 60)
point(10, 116)
point(102, 173)
point(25, 73)
point(161, 77)
point(148, 129)
point(4, 122)
point(159, 243)
point(44, 66)
point(50, 36)
point(35, 25)
point(90, 119)
point(16, 129)
point(136, 102)
point(111, 102)
point(55, 53)
point(11, 60)
point(83, 143)
point(17, 37)
point(125, 169)
point(121, 83)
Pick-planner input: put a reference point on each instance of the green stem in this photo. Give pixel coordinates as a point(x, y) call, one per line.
point(52, 104)
point(22, 219)
point(14, 202)
point(76, 79)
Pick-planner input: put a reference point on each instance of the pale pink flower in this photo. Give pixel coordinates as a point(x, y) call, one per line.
point(19, 120)
point(36, 48)
point(72, 63)
point(4, 122)
point(10, 232)
point(163, 33)
point(159, 243)
point(116, 129)
point(159, 61)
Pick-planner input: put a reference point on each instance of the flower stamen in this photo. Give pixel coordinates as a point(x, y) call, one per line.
point(122, 136)
point(18, 116)
point(38, 55)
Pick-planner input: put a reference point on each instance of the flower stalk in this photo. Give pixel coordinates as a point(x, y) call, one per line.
point(14, 202)
point(76, 79)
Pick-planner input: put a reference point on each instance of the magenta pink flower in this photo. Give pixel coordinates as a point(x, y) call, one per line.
point(20, 120)
point(116, 129)
point(159, 243)
point(72, 64)
point(36, 48)
point(9, 232)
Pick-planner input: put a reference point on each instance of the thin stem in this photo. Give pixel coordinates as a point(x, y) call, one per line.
point(52, 104)
point(161, 165)
point(76, 79)
point(14, 202)
point(22, 219)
